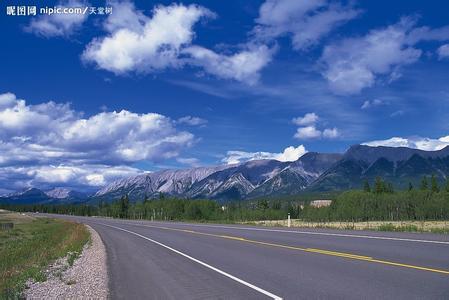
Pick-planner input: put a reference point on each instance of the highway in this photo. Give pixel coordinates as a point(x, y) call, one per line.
point(167, 260)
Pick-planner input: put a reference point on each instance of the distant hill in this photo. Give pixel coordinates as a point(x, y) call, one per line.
point(311, 173)
point(29, 196)
point(37, 196)
point(399, 166)
point(232, 182)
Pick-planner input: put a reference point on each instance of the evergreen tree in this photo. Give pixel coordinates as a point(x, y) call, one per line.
point(379, 186)
point(434, 184)
point(389, 188)
point(424, 184)
point(410, 186)
point(366, 186)
point(124, 206)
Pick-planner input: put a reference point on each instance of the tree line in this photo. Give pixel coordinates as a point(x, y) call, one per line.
point(173, 209)
point(429, 201)
point(376, 202)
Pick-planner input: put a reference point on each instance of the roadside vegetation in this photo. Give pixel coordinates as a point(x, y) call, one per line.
point(439, 227)
point(34, 243)
point(381, 203)
point(376, 207)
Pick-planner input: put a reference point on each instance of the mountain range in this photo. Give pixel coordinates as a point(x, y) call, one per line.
point(54, 196)
point(312, 172)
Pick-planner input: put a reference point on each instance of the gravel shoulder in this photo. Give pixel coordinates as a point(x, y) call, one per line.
point(86, 279)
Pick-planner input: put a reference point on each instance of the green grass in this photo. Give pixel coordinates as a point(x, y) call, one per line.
point(31, 246)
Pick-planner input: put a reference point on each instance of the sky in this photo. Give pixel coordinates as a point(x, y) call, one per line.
point(88, 98)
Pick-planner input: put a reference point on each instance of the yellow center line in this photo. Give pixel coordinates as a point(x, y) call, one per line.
point(310, 250)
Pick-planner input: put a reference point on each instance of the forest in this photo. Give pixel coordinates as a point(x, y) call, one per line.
point(381, 202)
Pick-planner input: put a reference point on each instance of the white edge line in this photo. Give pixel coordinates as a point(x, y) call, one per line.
point(313, 233)
point(260, 290)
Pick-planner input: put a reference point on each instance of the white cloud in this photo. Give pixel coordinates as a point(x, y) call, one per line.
point(425, 33)
point(443, 52)
point(331, 133)
point(82, 177)
point(308, 132)
point(353, 64)
point(416, 142)
point(376, 102)
point(192, 121)
point(290, 153)
point(125, 15)
point(59, 25)
point(397, 113)
point(54, 138)
point(145, 44)
point(7, 100)
point(307, 22)
point(137, 43)
point(242, 66)
point(309, 118)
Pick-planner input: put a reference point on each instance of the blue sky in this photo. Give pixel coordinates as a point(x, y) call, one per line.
point(86, 99)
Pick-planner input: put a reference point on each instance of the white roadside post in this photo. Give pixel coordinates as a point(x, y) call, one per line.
point(288, 221)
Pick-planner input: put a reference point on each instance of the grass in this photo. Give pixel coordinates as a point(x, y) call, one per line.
point(31, 246)
point(440, 227)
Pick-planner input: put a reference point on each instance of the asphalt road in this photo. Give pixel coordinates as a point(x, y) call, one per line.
point(161, 260)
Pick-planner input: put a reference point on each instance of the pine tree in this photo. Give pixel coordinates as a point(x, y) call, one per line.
point(379, 186)
point(389, 188)
point(424, 184)
point(410, 186)
point(124, 206)
point(366, 186)
point(434, 184)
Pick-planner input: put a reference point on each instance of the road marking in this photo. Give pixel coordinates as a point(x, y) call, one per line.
point(260, 290)
point(311, 250)
point(320, 233)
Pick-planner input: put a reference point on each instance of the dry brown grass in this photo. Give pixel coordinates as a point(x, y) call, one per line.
point(418, 226)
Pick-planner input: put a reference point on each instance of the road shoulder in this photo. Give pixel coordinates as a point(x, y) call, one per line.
point(86, 279)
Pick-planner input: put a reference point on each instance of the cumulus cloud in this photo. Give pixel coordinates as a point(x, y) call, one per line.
point(307, 22)
point(138, 43)
point(145, 44)
point(422, 143)
point(331, 133)
point(59, 25)
point(443, 52)
point(244, 66)
point(192, 121)
point(7, 100)
point(125, 15)
point(309, 130)
point(53, 134)
point(290, 153)
point(353, 64)
point(309, 118)
point(79, 177)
